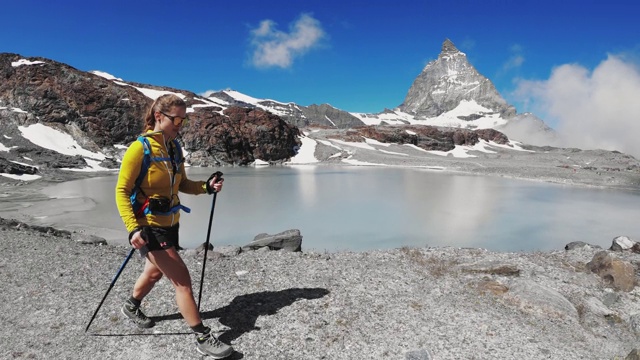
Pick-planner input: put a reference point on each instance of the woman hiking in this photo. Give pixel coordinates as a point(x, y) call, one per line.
point(151, 175)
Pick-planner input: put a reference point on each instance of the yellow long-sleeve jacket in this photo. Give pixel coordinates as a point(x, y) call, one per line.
point(160, 181)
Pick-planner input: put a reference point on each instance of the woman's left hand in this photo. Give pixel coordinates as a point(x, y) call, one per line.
point(216, 184)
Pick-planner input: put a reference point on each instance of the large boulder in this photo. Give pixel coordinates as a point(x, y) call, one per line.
point(289, 240)
point(620, 274)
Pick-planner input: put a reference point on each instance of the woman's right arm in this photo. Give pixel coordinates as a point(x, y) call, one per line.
point(129, 171)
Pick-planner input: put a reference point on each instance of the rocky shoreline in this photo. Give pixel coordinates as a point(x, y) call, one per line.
point(407, 303)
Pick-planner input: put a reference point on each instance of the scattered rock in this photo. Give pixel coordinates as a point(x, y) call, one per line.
point(491, 268)
point(541, 299)
point(633, 355)
point(580, 245)
point(595, 306)
point(289, 240)
point(88, 239)
point(620, 274)
point(202, 246)
point(491, 286)
point(19, 225)
point(417, 355)
point(621, 243)
point(228, 250)
point(634, 322)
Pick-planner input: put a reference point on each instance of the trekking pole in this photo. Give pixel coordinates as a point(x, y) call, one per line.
point(218, 174)
point(110, 287)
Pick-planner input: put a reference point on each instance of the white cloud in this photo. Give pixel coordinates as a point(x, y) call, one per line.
point(275, 48)
point(515, 60)
point(590, 110)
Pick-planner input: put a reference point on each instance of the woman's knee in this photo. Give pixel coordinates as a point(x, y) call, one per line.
point(184, 289)
point(154, 276)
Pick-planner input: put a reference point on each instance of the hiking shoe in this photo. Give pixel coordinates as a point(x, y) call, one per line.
point(136, 315)
point(208, 344)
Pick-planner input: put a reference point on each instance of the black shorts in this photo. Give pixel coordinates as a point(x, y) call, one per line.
point(159, 238)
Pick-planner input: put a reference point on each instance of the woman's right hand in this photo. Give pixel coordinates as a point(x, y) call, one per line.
point(137, 241)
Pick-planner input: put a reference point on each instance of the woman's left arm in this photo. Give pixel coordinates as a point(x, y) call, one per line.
point(189, 186)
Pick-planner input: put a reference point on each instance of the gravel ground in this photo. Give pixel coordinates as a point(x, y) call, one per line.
point(430, 303)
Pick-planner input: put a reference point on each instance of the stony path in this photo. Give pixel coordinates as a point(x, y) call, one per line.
point(397, 304)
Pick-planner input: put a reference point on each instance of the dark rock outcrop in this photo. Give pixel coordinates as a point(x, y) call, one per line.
point(423, 136)
point(8, 167)
point(98, 112)
point(240, 136)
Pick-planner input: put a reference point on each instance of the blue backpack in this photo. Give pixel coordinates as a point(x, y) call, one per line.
point(142, 209)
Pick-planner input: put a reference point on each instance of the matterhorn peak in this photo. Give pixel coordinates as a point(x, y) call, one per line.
point(448, 48)
point(449, 80)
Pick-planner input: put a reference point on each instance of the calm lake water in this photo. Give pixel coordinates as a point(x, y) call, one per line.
point(363, 208)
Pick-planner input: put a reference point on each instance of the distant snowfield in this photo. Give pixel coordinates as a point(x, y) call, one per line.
point(306, 153)
point(55, 140)
point(52, 139)
point(448, 119)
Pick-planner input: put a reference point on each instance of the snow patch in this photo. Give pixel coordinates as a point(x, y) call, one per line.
point(52, 139)
point(376, 142)
point(105, 75)
point(24, 164)
point(22, 62)
point(23, 177)
point(7, 149)
point(393, 152)
point(306, 153)
point(355, 144)
point(360, 163)
point(259, 162)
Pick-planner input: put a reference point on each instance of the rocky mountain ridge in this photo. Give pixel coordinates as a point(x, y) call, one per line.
point(102, 115)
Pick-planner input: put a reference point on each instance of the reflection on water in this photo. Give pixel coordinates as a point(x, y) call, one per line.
point(356, 208)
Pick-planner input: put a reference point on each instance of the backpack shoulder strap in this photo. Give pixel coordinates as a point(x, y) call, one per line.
point(146, 160)
point(177, 153)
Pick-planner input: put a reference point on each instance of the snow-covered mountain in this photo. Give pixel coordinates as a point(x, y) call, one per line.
point(447, 82)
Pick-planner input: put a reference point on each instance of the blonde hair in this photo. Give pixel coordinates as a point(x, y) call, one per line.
point(163, 103)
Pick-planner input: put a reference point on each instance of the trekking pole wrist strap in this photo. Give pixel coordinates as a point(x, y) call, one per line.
point(208, 188)
point(133, 233)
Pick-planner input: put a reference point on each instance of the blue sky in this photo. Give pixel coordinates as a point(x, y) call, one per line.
point(359, 56)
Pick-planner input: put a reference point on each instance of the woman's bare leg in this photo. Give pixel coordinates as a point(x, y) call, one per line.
point(171, 265)
point(149, 277)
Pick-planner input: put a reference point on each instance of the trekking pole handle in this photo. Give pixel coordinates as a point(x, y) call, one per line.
point(218, 176)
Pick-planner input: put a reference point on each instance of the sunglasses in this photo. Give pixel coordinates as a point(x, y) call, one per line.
point(177, 120)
